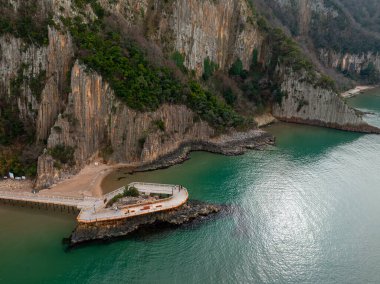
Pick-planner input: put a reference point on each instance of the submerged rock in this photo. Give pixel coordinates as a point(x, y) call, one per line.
point(192, 210)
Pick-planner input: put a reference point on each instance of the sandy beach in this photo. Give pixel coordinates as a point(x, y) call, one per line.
point(16, 185)
point(355, 91)
point(86, 183)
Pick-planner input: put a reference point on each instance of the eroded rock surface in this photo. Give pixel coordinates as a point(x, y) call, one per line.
point(192, 210)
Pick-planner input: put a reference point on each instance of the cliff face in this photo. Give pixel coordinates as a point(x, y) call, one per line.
point(331, 30)
point(21, 64)
point(19, 61)
point(96, 121)
point(68, 104)
point(304, 103)
point(352, 63)
point(221, 30)
point(59, 57)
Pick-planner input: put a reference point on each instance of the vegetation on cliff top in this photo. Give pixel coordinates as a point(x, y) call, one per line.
point(347, 26)
point(139, 83)
point(287, 53)
point(63, 154)
point(29, 22)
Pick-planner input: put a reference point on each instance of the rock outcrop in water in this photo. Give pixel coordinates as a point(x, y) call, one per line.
point(191, 211)
point(305, 103)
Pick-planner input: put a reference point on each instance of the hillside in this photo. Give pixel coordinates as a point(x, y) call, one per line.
point(134, 81)
point(341, 35)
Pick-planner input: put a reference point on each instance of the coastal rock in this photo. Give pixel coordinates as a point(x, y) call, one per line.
point(47, 172)
point(24, 63)
point(353, 63)
point(105, 230)
point(309, 104)
point(232, 144)
point(59, 58)
point(222, 31)
point(99, 126)
point(96, 121)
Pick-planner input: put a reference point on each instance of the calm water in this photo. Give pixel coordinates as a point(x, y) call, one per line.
point(305, 211)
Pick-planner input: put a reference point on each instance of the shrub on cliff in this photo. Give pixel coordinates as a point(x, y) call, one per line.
point(236, 68)
point(139, 83)
point(209, 67)
point(179, 60)
point(28, 23)
point(63, 154)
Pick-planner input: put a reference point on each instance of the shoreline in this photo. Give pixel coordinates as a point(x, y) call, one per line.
point(88, 182)
point(356, 91)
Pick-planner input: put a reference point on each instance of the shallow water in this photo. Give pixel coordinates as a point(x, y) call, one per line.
point(304, 211)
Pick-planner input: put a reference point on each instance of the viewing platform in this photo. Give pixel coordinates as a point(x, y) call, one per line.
point(95, 209)
point(177, 196)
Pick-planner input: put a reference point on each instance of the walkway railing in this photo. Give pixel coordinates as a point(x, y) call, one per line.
point(39, 198)
point(111, 194)
point(93, 209)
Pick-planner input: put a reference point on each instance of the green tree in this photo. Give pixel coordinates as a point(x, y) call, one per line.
point(209, 67)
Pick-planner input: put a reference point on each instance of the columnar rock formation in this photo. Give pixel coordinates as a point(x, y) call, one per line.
point(77, 108)
point(20, 61)
point(303, 17)
point(354, 63)
point(305, 103)
point(95, 121)
point(59, 59)
point(222, 31)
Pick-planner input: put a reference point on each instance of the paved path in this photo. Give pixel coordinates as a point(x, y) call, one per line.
point(48, 199)
point(93, 209)
point(178, 197)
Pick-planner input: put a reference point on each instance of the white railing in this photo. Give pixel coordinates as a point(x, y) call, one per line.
point(113, 193)
point(144, 187)
point(134, 210)
point(155, 187)
point(36, 196)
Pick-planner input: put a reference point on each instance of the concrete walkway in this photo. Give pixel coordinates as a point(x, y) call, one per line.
point(48, 199)
point(177, 198)
point(94, 209)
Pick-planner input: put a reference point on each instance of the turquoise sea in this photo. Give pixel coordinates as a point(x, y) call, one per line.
point(304, 211)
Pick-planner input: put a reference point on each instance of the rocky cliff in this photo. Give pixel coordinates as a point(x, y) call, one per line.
point(97, 124)
point(24, 66)
point(305, 103)
point(74, 112)
point(219, 30)
point(332, 31)
point(348, 62)
point(95, 121)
